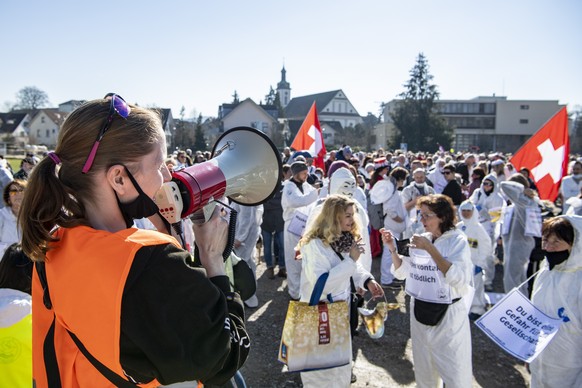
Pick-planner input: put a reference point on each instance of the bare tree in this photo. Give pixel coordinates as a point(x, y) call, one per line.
point(31, 97)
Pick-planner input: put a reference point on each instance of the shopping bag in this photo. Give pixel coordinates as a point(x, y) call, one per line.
point(316, 335)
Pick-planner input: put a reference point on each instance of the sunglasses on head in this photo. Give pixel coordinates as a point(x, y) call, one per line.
point(117, 106)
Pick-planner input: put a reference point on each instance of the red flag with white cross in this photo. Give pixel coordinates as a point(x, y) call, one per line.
point(309, 137)
point(545, 154)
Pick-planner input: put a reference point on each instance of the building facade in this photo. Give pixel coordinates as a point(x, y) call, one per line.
point(486, 123)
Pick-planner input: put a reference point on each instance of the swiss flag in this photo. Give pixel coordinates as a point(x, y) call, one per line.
point(545, 154)
point(309, 137)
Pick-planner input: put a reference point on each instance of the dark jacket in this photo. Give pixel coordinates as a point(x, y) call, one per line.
point(453, 191)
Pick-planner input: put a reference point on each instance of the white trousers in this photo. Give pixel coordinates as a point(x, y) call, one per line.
point(442, 353)
point(292, 266)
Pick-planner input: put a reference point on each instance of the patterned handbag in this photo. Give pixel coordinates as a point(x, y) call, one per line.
point(316, 335)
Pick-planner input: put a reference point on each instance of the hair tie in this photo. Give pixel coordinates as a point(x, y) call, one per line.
point(55, 158)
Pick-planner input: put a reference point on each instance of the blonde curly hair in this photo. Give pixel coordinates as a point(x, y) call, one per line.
point(327, 224)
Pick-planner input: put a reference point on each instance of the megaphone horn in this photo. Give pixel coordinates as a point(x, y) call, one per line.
point(246, 167)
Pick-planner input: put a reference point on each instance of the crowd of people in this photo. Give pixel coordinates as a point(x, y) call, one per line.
point(464, 213)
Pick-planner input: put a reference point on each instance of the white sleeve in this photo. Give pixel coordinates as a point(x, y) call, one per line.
point(316, 261)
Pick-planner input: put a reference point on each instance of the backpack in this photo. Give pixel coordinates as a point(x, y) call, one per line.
point(375, 213)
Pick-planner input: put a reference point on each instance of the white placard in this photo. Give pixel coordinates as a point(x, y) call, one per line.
point(425, 281)
point(533, 223)
point(297, 224)
point(507, 215)
point(519, 327)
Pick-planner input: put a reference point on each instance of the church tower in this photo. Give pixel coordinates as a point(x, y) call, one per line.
point(284, 89)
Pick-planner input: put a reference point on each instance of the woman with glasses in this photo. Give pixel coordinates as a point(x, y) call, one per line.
point(438, 276)
point(9, 230)
point(116, 305)
point(557, 293)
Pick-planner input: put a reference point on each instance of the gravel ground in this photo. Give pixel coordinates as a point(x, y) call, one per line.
point(384, 362)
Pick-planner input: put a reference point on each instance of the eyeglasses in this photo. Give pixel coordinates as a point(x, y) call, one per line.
point(13, 192)
point(487, 184)
point(119, 106)
point(447, 172)
point(426, 216)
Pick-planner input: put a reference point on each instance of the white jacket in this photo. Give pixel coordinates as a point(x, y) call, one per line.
point(486, 204)
point(385, 192)
point(293, 199)
point(559, 292)
point(9, 230)
point(318, 259)
point(248, 228)
point(453, 246)
point(478, 239)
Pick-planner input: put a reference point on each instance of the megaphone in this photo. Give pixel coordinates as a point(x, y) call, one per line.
point(245, 167)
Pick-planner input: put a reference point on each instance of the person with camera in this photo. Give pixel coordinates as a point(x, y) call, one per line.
point(115, 305)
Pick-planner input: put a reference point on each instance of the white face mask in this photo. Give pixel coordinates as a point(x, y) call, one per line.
point(577, 176)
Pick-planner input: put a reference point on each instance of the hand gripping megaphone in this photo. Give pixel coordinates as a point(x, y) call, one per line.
point(245, 167)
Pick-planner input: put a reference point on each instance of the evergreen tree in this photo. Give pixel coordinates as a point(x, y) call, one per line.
point(199, 139)
point(270, 97)
point(415, 117)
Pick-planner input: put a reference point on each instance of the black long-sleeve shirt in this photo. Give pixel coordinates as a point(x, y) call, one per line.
point(194, 328)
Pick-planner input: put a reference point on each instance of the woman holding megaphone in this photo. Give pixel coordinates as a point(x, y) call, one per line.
point(115, 305)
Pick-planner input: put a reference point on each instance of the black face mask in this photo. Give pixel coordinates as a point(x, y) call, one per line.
point(555, 258)
point(141, 207)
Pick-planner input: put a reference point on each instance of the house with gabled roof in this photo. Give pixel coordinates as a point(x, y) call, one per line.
point(250, 114)
point(331, 106)
point(44, 126)
point(14, 128)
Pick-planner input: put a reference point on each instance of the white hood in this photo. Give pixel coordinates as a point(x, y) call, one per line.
point(574, 262)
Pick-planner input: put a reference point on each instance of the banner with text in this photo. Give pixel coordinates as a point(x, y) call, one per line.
point(519, 327)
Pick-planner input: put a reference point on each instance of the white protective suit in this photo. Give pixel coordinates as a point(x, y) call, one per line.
point(517, 246)
point(294, 200)
point(248, 230)
point(570, 188)
point(437, 177)
point(317, 260)
point(489, 207)
point(10, 232)
point(481, 250)
point(343, 182)
point(385, 192)
point(560, 363)
point(443, 352)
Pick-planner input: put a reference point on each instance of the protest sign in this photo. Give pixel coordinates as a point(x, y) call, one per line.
point(425, 281)
point(518, 327)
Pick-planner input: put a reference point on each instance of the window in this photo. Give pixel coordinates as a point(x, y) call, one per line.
point(523, 121)
point(48, 133)
point(38, 133)
point(42, 119)
point(524, 107)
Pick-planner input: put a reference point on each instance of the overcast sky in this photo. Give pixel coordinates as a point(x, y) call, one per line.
point(196, 53)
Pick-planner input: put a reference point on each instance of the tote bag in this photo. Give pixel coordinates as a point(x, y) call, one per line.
point(316, 335)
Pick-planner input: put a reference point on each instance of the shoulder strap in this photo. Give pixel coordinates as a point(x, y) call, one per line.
point(51, 365)
point(110, 375)
point(318, 289)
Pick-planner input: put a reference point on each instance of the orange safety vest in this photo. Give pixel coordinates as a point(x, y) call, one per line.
point(86, 273)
